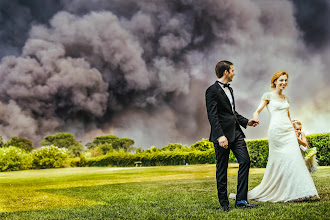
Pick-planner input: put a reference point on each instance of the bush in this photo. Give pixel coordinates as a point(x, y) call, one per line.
point(173, 147)
point(13, 158)
point(96, 152)
point(78, 161)
point(202, 145)
point(49, 157)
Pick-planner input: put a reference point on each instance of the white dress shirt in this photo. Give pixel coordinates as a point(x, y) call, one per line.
point(228, 93)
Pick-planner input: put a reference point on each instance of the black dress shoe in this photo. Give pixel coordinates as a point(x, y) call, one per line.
point(244, 204)
point(225, 208)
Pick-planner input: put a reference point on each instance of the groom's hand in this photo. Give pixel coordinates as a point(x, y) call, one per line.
point(223, 142)
point(253, 122)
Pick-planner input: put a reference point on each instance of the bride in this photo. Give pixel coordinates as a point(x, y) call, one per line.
point(286, 176)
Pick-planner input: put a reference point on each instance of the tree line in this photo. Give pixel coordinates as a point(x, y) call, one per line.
point(100, 145)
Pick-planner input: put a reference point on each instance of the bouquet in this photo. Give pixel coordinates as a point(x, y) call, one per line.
point(310, 153)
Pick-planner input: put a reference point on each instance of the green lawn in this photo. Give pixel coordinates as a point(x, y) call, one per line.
point(167, 192)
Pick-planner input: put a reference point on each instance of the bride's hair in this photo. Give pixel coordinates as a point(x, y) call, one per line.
point(276, 76)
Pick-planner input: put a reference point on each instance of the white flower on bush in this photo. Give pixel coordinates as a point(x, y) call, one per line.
point(13, 158)
point(49, 157)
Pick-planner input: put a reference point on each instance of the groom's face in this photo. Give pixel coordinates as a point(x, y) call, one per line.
point(231, 73)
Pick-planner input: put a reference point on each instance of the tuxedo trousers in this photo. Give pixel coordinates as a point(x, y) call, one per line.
point(238, 147)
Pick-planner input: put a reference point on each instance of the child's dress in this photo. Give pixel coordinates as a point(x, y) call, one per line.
point(310, 157)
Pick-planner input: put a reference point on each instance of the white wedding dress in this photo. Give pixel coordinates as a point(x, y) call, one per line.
point(286, 176)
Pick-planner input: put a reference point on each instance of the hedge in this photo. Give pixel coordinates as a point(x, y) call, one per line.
point(321, 142)
point(162, 158)
point(258, 150)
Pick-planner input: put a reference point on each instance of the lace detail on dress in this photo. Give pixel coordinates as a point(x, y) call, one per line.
point(266, 96)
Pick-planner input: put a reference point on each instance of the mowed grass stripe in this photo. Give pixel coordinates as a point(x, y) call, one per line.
point(187, 192)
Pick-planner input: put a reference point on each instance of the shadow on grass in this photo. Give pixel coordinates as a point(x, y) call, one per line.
point(175, 199)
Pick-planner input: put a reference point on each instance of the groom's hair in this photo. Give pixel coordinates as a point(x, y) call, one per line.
point(221, 67)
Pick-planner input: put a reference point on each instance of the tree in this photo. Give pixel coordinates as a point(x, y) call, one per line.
point(63, 140)
point(105, 139)
point(110, 142)
point(123, 143)
point(1, 142)
point(90, 145)
point(22, 143)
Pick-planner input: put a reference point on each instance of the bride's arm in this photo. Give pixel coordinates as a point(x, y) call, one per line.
point(289, 117)
point(261, 106)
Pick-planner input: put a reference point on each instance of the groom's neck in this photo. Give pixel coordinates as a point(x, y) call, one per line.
point(223, 80)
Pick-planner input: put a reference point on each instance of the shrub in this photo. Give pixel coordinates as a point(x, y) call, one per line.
point(173, 147)
point(95, 152)
point(13, 158)
point(78, 161)
point(49, 157)
point(202, 145)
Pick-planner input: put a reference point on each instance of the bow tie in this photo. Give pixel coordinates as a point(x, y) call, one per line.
point(224, 84)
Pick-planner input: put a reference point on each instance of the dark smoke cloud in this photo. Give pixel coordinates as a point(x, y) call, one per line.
point(313, 19)
point(140, 68)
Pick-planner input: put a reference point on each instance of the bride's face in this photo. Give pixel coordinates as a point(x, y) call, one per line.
point(281, 82)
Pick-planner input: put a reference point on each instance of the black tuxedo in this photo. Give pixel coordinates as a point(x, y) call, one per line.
point(225, 121)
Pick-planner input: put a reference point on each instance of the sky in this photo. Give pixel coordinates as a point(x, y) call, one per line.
point(139, 69)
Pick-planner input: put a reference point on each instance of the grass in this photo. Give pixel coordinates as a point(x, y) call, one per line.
point(168, 192)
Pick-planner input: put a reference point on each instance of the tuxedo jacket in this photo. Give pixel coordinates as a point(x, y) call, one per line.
point(223, 119)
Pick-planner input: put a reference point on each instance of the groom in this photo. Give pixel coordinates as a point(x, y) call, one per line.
point(226, 134)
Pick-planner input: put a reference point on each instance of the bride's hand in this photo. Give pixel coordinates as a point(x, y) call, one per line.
point(253, 122)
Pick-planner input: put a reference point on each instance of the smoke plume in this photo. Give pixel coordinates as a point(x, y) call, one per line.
point(140, 68)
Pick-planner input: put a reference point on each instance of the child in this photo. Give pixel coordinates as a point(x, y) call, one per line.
point(308, 154)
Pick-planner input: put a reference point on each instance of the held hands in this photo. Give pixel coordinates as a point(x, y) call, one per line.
point(253, 122)
point(223, 142)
